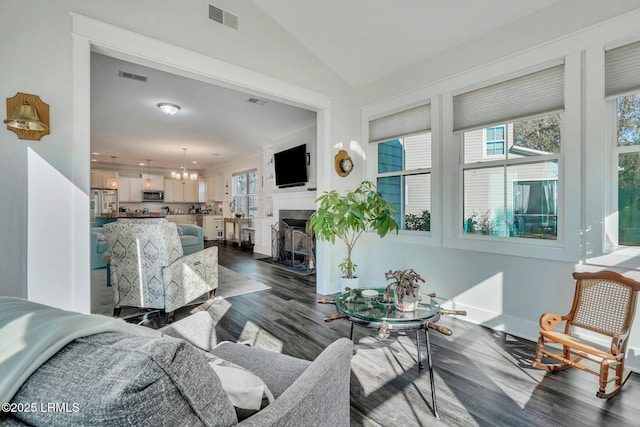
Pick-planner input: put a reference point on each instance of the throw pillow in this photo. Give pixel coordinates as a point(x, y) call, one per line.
point(245, 390)
point(180, 230)
point(119, 379)
point(100, 236)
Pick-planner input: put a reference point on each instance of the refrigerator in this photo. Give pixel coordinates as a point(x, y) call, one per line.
point(102, 201)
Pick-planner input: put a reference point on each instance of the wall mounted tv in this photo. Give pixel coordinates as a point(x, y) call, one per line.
point(291, 167)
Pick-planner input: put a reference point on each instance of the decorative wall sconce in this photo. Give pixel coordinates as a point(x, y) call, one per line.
point(29, 116)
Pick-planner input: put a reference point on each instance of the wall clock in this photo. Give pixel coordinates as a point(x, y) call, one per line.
point(343, 163)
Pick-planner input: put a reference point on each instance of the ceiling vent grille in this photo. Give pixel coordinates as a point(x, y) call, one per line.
point(137, 77)
point(223, 17)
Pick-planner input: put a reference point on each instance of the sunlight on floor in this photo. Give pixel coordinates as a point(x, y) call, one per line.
point(258, 337)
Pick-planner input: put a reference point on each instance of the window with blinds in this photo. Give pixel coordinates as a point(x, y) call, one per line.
point(403, 173)
point(622, 90)
point(510, 142)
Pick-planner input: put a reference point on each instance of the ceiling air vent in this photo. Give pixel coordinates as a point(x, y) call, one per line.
point(223, 17)
point(137, 77)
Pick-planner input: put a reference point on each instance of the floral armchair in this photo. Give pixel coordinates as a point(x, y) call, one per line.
point(148, 268)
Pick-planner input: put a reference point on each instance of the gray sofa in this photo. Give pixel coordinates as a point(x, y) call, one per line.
point(115, 379)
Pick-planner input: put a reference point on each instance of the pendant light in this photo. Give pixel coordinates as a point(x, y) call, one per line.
point(148, 183)
point(113, 183)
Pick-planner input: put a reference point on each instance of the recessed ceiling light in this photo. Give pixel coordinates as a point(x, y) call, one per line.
point(93, 160)
point(142, 164)
point(194, 162)
point(95, 154)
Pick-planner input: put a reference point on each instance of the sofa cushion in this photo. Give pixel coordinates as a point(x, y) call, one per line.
point(119, 379)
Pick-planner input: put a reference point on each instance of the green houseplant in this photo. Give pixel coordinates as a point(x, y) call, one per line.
point(406, 287)
point(347, 216)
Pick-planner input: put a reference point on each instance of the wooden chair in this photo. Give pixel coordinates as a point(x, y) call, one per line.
point(603, 308)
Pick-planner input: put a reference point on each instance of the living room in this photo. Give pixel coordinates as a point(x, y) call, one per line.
point(503, 284)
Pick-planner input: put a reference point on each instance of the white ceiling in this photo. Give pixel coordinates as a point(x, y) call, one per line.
point(365, 40)
point(361, 40)
point(215, 124)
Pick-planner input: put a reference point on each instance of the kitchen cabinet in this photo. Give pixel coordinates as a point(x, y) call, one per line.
point(182, 219)
point(190, 191)
point(99, 178)
point(213, 227)
point(176, 191)
point(214, 188)
point(130, 190)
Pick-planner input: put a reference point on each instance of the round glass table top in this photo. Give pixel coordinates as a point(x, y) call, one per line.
point(367, 304)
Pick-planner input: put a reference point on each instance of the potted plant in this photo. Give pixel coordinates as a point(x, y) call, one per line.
point(406, 287)
point(347, 216)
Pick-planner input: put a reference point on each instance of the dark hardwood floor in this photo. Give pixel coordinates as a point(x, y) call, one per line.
point(482, 377)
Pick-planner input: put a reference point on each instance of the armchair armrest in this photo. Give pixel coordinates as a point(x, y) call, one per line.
point(549, 321)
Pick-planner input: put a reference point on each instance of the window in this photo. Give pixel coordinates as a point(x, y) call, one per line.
point(516, 196)
point(627, 158)
point(403, 174)
point(245, 193)
point(404, 179)
point(494, 139)
point(622, 90)
point(510, 185)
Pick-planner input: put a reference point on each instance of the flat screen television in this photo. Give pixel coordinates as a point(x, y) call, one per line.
point(291, 166)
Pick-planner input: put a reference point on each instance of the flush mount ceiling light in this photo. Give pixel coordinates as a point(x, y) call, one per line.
point(148, 183)
point(169, 109)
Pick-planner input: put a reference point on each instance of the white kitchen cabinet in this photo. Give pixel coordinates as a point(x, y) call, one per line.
point(124, 192)
point(213, 227)
point(99, 178)
point(158, 181)
point(130, 190)
point(182, 219)
point(190, 191)
point(214, 188)
point(177, 192)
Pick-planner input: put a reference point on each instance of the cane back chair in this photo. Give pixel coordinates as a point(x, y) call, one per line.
point(603, 308)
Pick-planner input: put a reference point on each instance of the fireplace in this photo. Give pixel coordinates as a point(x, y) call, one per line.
point(292, 241)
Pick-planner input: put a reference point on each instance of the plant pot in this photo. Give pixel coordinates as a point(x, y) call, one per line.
point(406, 300)
point(352, 283)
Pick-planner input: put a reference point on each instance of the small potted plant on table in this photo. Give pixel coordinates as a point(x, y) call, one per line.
point(406, 287)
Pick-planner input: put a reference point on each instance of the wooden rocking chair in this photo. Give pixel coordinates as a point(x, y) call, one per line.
point(603, 305)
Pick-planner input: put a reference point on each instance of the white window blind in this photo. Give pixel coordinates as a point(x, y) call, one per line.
point(531, 95)
point(404, 123)
point(622, 70)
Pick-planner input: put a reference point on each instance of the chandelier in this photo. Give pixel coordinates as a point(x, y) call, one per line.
point(184, 175)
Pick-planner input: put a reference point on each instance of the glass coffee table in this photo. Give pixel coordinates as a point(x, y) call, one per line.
point(365, 307)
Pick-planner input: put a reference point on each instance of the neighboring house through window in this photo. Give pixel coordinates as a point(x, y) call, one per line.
point(403, 173)
point(494, 141)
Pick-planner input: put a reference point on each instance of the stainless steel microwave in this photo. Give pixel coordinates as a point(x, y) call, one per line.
point(152, 196)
